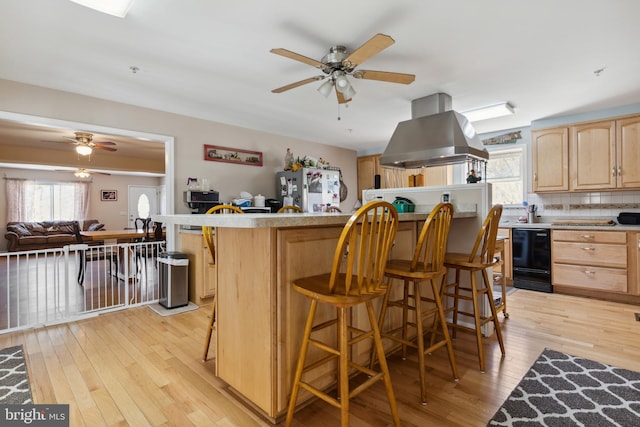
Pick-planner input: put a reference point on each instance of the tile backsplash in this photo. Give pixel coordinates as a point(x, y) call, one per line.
point(604, 204)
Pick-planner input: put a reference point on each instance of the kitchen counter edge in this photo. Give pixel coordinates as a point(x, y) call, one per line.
point(281, 220)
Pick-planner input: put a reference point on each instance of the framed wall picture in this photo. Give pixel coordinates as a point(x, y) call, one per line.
point(216, 153)
point(108, 195)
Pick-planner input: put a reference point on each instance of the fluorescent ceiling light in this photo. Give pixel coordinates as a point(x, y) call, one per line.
point(490, 112)
point(117, 8)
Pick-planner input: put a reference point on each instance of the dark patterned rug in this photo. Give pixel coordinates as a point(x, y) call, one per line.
point(563, 390)
point(14, 380)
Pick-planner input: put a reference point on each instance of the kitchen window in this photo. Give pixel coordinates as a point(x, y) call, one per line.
point(505, 171)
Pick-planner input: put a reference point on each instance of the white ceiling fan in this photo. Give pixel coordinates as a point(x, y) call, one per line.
point(340, 63)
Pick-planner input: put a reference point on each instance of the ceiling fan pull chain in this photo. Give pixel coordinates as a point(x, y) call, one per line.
point(339, 118)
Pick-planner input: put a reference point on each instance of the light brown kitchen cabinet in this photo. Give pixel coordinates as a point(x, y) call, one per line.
point(590, 260)
point(628, 152)
point(202, 270)
point(368, 168)
point(593, 156)
point(550, 160)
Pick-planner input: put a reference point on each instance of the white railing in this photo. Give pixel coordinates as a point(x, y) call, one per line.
point(39, 288)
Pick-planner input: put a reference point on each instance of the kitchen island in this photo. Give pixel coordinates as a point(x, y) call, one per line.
point(260, 318)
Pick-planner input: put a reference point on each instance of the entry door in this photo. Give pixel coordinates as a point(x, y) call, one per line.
point(143, 202)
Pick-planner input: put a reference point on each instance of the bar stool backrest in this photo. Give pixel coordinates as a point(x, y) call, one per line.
point(432, 241)
point(207, 231)
point(485, 244)
point(363, 248)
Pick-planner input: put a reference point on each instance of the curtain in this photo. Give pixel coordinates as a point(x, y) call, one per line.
point(20, 194)
point(16, 199)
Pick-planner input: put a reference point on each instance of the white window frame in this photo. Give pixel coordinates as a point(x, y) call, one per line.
point(523, 167)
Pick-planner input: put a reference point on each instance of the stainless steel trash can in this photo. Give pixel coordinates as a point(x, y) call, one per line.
point(174, 279)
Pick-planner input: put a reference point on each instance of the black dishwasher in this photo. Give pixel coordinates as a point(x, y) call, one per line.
point(531, 249)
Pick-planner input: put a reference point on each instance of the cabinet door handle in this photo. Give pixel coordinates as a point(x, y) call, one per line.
point(588, 236)
point(589, 248)
point(535, 176)
point(589, 272)
point(619, 171)
point(613, 171)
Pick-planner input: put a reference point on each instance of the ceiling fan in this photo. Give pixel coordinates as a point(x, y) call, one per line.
point(86, 173)
point(82, 172)
point(84, 143)
point(340, 63)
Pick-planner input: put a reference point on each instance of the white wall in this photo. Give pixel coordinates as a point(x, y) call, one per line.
point(189, 135)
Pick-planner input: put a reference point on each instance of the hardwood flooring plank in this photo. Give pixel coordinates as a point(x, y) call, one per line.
point(135, 368)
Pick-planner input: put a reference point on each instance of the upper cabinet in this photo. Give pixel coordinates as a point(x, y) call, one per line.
point(593, 156)
point(550, 159)
point(369, 167)
point(628, 152)
point(603, 155)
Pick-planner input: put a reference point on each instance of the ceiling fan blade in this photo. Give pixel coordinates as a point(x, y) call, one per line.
point(341, 98)
point(297, 57)
point(374, 45)
point(105, 143)
point(384, 76)
point(61, 142)
point(296, 84)
point(100, 147)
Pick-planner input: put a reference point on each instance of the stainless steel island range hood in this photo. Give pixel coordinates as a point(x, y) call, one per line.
point(435, 136)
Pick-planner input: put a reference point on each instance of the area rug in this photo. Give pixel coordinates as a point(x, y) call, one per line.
point(162, 311)
point(14, 380)
point(564, 390)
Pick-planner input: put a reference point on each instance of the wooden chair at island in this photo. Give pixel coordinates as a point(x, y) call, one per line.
point(290, 209)
point(208, 235)
point(356, 278)
point(427, 265)
point(481, 257)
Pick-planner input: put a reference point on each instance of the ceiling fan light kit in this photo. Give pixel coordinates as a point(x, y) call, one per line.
point(83, 150)
point(339, 63)
point(82, 173)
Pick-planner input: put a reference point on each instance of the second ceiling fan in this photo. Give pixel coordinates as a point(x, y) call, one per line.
point(339, 63)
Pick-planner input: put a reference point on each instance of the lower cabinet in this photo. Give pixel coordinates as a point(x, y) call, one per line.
point(590, 260)
point(202, 270)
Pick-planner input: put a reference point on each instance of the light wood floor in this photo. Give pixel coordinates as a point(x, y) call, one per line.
point(136, 368)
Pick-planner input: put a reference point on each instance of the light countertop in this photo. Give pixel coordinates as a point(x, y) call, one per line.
point(284, 220)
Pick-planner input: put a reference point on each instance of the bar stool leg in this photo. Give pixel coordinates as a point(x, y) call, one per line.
point(494, 312)
point(405, 317)
point(383, 364)
point(445, 331)
point(420, 338)
point(304, 346)
point(209, 331)
point(476, 320)
point(343, 368)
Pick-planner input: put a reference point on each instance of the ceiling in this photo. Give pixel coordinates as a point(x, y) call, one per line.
point(211, 59)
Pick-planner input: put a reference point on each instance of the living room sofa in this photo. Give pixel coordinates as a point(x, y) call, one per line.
point(27, 236)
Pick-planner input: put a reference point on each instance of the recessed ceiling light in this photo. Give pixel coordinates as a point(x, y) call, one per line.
point(489, 112)
point(118, 8)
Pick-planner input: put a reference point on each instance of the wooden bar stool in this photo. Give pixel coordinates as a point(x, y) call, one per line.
point(207, 233)
point(290, 209)
point(427, 265)
point(356, 279)
point(481, 258)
